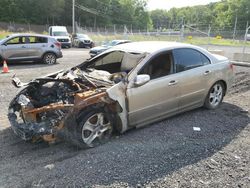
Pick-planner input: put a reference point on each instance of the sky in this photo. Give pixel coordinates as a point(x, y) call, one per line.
point(168, 4)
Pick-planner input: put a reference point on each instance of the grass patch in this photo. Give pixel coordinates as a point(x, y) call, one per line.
point(191, 40)
point(3, 34)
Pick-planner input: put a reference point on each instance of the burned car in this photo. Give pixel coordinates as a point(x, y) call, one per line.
point(128, 86)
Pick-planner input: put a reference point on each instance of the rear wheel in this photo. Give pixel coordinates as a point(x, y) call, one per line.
point(215, 96)
point(94, 128)
point(49, 58)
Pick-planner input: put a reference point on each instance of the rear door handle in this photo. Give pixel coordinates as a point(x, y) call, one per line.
point(207, 72)
point(172, 82)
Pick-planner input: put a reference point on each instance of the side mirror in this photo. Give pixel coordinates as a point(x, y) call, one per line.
point(141, 79)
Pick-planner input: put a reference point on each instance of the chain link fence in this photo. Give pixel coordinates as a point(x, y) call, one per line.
point(204, 36)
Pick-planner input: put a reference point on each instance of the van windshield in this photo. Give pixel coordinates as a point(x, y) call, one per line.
point(60, 33)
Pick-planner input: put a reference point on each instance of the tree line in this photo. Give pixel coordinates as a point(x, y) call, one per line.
point(221, 15)
point(101, 13)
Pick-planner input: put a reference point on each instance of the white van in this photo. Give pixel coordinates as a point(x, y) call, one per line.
point(61, 34)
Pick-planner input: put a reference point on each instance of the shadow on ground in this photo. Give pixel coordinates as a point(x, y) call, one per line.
point(138, 156)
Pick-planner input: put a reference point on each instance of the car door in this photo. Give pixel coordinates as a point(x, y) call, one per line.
point(35, 46)
point(159, 96)
point(193, 77)
point(15, 48)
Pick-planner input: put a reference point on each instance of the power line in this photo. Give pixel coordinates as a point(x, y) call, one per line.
point(101, 14)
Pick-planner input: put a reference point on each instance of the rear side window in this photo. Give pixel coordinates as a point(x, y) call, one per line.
point(34, 39)
point(186, 59)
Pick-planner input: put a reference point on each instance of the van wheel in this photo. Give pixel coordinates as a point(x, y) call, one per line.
point(49, 58)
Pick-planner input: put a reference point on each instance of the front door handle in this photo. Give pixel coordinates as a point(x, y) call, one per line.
point(207, 72)
point(23, 46)
point(172, 82)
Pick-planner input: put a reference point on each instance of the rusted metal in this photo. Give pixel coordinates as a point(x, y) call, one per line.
point(81, 101)
point(47, 108)
point(51, 138)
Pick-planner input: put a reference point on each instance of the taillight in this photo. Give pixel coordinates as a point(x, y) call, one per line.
point(231, 66)
point(58, 44)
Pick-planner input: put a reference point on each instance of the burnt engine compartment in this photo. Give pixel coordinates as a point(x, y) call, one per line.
point(40, 107)
point(50, 92)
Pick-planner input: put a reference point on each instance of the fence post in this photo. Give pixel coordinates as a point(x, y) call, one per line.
point(182, 32)
point(208, 34)
point(245, 39)
point(235, 25)
point(114, 30)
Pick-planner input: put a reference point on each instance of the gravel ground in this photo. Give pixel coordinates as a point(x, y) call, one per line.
point(166, 154)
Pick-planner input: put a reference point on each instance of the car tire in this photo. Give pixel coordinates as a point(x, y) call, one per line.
point(215, 95)
point(95, 127)
point(49, 58)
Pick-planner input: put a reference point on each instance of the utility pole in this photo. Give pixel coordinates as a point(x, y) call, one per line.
point(95, 23)
point(235, 25)
point(73, 16)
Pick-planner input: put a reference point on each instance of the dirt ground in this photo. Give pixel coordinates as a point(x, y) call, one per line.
point(166, 154)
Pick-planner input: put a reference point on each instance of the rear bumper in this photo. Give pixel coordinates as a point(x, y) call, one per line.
point(59, 54)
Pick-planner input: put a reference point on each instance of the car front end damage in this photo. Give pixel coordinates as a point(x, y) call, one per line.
point(48, 106)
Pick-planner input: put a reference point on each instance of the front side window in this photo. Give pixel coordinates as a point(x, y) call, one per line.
point(16, 40)
point(159, 66)
point(186, 59)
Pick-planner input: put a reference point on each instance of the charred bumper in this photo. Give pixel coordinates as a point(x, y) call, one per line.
point(29, 122)
point(27, 131)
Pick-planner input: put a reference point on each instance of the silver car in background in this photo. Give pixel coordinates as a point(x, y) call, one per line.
point(30, 47)
point(127, 86)
point(82, 41)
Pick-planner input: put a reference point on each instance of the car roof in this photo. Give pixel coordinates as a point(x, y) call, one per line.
point(28, 34)
point(152, 46)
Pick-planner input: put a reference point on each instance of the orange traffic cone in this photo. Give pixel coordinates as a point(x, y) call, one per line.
point(5, 67)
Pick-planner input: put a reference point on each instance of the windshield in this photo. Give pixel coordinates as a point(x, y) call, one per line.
point(60, 33)
point(82, 36)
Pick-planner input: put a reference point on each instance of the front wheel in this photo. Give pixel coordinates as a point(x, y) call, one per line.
point(215, 96)
point(49, 58)
point(94, 128)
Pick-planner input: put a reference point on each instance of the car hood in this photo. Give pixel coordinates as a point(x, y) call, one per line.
point(96, 78)
point(83, 39)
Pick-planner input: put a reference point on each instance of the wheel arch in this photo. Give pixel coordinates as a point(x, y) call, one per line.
point(47, 53)
point(224, 84)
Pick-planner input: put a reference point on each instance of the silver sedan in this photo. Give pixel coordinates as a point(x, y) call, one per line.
point(127, 86)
